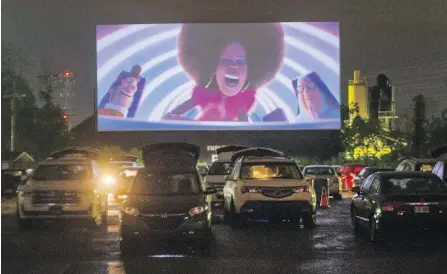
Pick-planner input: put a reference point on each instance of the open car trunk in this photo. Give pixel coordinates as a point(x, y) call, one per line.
point(170, 156)
point(257, 152)
point(225, 153)
point(75, 152)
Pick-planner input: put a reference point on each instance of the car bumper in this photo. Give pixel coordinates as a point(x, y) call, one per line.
point(273, 209)
point(412, 222)
point(137, 228)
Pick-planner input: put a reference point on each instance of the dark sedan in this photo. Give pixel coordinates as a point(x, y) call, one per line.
point(389, 201)
point(166, 201)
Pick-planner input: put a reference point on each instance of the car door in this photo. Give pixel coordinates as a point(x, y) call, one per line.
point(359, 200)
point(371, 199)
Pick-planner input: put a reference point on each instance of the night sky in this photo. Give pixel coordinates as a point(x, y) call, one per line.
point(375, 35)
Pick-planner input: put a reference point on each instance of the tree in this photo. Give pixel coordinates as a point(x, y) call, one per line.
point(418, 135)
point(436, 129)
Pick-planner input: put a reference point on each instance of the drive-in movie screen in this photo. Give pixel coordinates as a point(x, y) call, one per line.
point(244, 76)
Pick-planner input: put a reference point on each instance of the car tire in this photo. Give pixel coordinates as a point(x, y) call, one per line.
point(24, 224)
point(127, 247)
point(236, 220)
point(310, 220)
point(355, 225)
point(338, 197)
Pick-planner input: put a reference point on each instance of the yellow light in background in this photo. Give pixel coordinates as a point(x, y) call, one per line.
point(109, 180)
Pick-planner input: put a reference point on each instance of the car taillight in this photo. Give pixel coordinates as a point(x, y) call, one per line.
point(250, 190)
point(300, 189)
point(388, 206)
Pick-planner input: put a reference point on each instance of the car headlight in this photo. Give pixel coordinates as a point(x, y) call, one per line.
point(197, 210)
point(129, 210)
point(109, 180)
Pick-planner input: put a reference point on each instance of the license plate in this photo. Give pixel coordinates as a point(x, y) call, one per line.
point(421, 209)
point(56, 210)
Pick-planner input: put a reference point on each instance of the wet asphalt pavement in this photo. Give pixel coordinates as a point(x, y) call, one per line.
point(261, 248)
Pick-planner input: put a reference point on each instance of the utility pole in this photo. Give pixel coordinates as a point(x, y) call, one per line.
point(13, 96)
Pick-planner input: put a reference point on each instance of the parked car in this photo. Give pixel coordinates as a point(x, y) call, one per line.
point(65, 186)
point(11, 179)
point(361, 177)
point(416, 164)
point(166, 200)
point(265, 184)
point(325, 173)
point(395, 201)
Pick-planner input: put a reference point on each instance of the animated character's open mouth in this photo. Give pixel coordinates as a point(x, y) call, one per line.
point(231, 80)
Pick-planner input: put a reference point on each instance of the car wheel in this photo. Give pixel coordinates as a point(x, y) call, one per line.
point(127, 247)
point(310, 220)
point(23, 223)
point(338, 197)
point(374, 231)
point(236, 219)
point(355, 225)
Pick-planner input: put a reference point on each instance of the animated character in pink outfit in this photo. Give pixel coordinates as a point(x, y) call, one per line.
point(228, 65)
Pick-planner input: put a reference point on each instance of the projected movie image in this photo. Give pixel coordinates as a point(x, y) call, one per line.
point(263, 76)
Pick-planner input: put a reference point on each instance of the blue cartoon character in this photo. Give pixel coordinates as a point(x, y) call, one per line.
point(124, 95)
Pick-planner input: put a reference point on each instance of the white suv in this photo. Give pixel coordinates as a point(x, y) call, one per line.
point(62, 188)
point(268, 187)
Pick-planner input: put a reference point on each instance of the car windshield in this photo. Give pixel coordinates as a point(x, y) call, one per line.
point(220, 168)
point(414, 186)
point(424, 167)
point(62, 172)
point(319, 171)
point(270, 171)
point(166, 184)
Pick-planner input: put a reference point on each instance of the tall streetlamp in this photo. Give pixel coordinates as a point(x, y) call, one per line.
point(13, 97)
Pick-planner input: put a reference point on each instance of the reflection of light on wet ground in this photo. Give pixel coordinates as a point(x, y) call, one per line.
point(113, 228)
point(115, 268)
point(167, 256)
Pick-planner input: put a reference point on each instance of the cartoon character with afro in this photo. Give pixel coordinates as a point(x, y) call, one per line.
point(229, 64)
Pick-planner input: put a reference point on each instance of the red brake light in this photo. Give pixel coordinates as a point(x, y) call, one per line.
point(300, 189)
point(388, 206)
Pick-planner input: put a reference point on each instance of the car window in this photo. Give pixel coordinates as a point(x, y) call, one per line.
point(424, 167)
point(374, 189)
point(265, 170)
point(366, 185)
point(62, 172)
point(220, 168)
point(166, 184)
point(319, 171)
point(414, 185)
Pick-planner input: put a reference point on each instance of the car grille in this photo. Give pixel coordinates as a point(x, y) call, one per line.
point(55, 197)
point(275, 192)
point(163, 222)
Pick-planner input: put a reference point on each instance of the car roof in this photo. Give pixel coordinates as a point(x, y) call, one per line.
point(322, 166)
point(66, 161)
point(421, 161)
point(380, 168)
point(404, 174)
point(267, 160)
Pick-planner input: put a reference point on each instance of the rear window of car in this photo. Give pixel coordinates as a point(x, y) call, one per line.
point(220, 168)
point(425, 167)
point(63, 172)
point(259, 171)
point(414, 185)
point(319, 171)
point(166, 184)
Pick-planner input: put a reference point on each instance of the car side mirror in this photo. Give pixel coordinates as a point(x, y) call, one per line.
point(356, 189)
point(210, 190)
